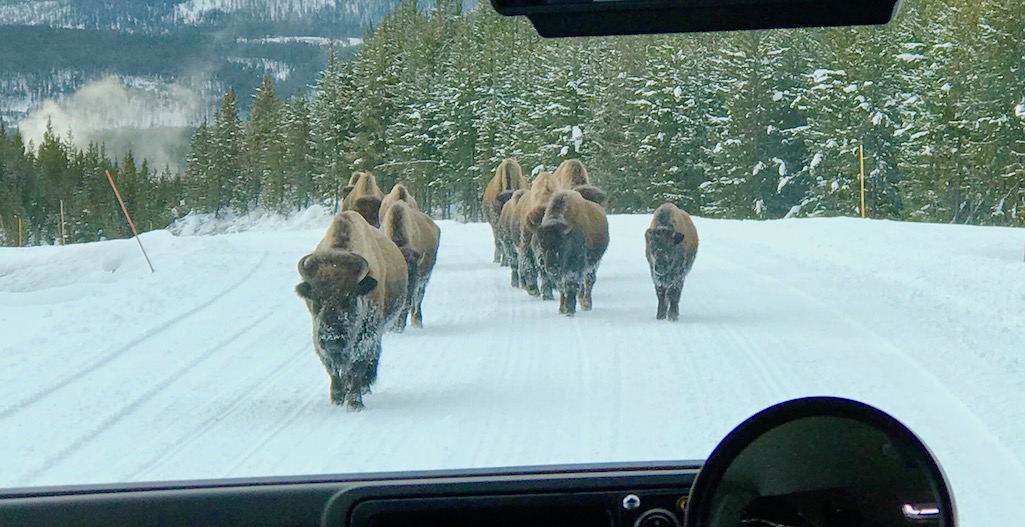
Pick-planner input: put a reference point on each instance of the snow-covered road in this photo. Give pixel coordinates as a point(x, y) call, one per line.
point(205, 369)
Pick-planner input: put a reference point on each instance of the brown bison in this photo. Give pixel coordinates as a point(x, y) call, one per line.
point(365, 197)
point(531, 211)
point(398, 193)
point(571, 174)
point(508, 178)
point(671, 245)
point(508, 234)
point(417, 237)
point(355, 286)
point(571, 240)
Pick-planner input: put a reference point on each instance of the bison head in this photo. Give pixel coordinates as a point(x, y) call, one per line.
point(335, 287)
point(559, 248)
point(664, 251)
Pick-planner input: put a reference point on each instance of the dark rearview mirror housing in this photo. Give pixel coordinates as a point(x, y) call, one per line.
point(577, 18)
point(821, 461)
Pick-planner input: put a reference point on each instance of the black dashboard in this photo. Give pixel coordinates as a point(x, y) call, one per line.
point(584, 495)
point(812, 462)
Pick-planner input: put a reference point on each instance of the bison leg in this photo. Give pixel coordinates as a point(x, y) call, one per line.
point(585, 292)
point(673, 299)
point(660, 292)
point(416, 314)
point(568, 297)
point(400, 323)
point(338, 389)
point(547, 292)
point(528, 275)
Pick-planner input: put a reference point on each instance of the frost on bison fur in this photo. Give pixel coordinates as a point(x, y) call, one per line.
point(671, 245)
point(398, 193)
point(417, 237)
point(509, 236)
point(530, 212)
point(355, 285)
point(508, 178)
point(364, 185)
point(571, 240)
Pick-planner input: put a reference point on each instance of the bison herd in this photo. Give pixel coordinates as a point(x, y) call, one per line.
point(370, 271)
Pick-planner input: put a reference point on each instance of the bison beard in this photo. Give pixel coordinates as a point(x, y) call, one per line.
point(563, 261)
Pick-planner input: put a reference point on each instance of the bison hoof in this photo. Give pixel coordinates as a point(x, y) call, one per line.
point(673, 317)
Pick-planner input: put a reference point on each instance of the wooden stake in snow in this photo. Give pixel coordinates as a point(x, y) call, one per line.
point(861, 176)
point(129, 218)
point(63, 236)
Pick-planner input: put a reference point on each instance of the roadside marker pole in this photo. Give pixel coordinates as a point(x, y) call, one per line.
point(63, 236)
point(21, 232)
point(861, 172)
point(129, 218)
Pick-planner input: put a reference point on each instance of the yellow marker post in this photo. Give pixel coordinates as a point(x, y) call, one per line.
point(21, 232)
point(861, 171)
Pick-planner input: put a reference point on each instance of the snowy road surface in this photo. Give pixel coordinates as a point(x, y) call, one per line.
point(206, 369)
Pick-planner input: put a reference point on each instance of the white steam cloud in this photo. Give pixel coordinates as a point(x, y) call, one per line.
point(152, 119)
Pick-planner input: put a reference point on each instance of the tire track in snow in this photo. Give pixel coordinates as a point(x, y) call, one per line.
point(29, 476)
point(294, 415)
point(69, 379)
point(195, 434)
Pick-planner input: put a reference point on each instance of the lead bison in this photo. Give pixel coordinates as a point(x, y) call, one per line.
point(508, 179)
point(417, 237)
point(355, 286)
point(671, 245)
point(571, 241)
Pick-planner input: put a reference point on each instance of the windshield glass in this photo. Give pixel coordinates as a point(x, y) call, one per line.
point(858, 194)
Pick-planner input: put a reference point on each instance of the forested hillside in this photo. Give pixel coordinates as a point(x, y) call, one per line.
point(748, 125)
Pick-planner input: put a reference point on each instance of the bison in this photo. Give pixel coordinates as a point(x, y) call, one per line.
point(355, 285)
point(571, 240)
point(530, 212)
point(571, 173)
point(417, 237)
point(671, 245)
point(398, 193)
point(508, 178)
point(508, 234)
point(365, 197)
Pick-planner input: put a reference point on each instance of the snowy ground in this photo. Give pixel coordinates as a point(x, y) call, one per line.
point(205, 369)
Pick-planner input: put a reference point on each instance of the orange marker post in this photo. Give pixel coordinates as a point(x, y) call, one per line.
point(129, 218)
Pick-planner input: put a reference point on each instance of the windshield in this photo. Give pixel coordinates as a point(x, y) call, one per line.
point(846, 219)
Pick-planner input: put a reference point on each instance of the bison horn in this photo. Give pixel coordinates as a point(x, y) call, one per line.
point(302, 267)
point(364, 269)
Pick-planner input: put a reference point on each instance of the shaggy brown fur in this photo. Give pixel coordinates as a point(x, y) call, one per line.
point(417, 237)
point(370, 208)
point(571, 241)
point(671, 245)
point(398, 193)
point(355, 285)
point(508, 178)
point(509, 236)
point(571, 173)
point(351, 184)
point(363, 184)
point(530, 212)
point(593, 194)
